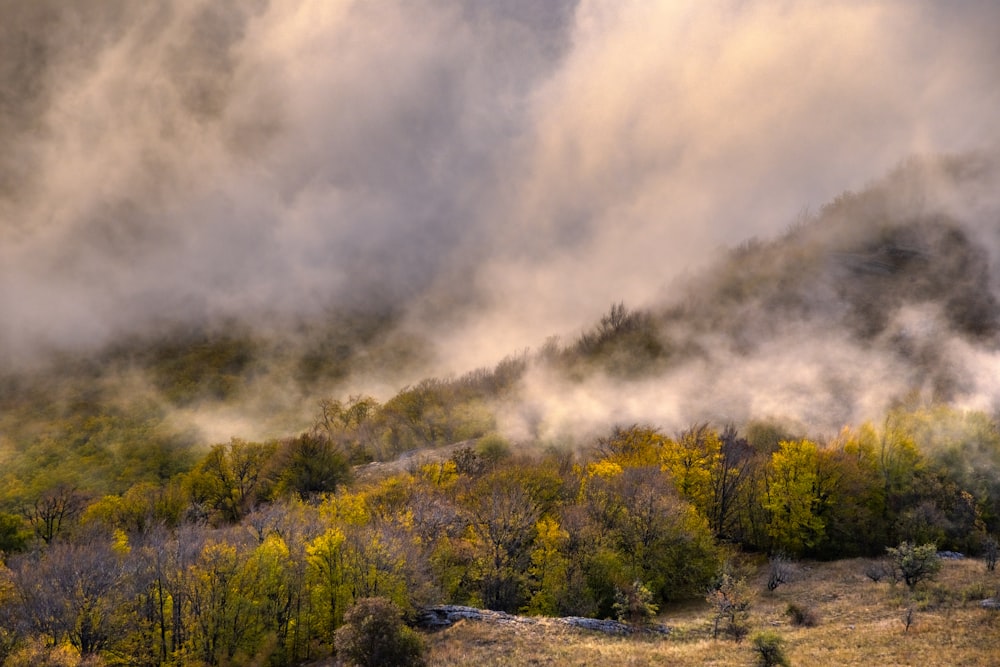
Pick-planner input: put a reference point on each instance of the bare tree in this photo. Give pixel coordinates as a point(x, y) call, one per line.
point(52, 510)
point(79, 593)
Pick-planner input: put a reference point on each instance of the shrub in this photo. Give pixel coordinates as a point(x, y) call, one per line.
point(880, 569)
point(374, 635)
point(634, 604)
point(731, 600)
point(802, 616)
point(780, 570)
point(991, 552)
point(915, 563)
point(770, 649)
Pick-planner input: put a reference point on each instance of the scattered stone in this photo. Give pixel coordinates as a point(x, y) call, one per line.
point(443, 616)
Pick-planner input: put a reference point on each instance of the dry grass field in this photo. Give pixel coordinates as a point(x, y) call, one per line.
point(860, 623)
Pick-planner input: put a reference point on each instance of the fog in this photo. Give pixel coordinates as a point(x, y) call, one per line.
point(495, 173)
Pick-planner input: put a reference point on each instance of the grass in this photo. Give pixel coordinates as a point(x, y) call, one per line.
point(860, 623)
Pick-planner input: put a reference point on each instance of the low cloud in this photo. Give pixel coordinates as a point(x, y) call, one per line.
point(496, 172)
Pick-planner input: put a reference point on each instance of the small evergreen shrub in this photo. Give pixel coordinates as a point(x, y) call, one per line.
point(634, 604)
point(770, 649)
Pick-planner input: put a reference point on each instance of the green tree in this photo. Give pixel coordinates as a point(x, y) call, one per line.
point(657, 537)
point(14, 533)
point(311, 465)
point(634, 604)
point(231, 479)
point(235, 599)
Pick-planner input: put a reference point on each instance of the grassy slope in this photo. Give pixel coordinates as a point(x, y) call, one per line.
point(861, 623)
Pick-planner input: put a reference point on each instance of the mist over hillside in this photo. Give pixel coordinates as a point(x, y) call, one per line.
point(235, 209)
point(883, 297)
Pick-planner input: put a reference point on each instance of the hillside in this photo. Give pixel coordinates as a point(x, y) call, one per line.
point(227, 495)
point(857, 622)
point(882, 298)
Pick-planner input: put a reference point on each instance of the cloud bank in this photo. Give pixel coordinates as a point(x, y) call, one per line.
point(498, 172)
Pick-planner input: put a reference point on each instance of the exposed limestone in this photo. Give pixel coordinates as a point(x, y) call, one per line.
point(443, 616)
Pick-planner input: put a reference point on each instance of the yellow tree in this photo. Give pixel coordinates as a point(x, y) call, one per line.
point(548, 569)
point(792, 497)
point(692, 461)
point(633, 446)
point(325, 556)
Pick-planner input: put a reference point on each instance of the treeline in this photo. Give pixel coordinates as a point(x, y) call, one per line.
point(256, 554)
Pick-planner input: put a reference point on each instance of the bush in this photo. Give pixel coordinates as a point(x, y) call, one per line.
point(915, 563)
point(770, 649)
point(991, 552)
point(374, 635)
point(880, 569)
point(731, 600)
point(802, 616)
point(780, 570)
point(634, 604)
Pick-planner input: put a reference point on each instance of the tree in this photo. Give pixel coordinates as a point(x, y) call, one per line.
point(792, 497)
point(310, 465)
point(729, 477)
point(374, 635)
point(915, 563)
point(13, 536)
point(779, 571)
point(231, 478)
point(52, 510)
point(643, 530)
point(634, 446)
point(326, 578)
point(899, 463)
point(503, 516)
point(731, 601)
point(855, 523)
point(691, 462)
point(351, 425)
point(549, 567)
point(80, 593)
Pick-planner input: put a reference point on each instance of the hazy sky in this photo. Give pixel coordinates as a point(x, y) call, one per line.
point(531, 162)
